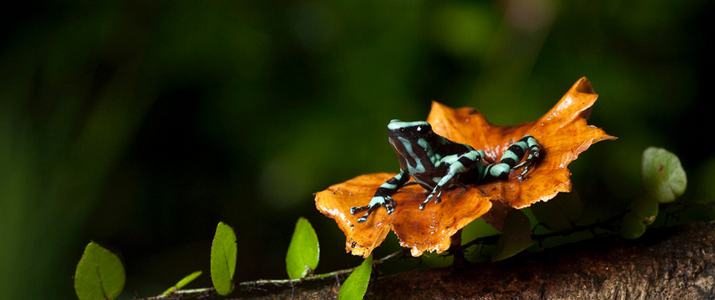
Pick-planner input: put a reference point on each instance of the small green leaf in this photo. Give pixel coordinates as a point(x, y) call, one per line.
point(223, 259)
point(516, 236)
point(99, 274)
point(303, 251)
point(645, 209)
point(632, 226)
point(182, 283)
point(477, 229)
point(663, 177)
point(356, 285)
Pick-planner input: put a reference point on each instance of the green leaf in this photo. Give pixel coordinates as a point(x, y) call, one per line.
point(99, 274)
point(632, 226)
point(182, 283)
point(303, 251)
point(356, 285)
point(516, 236)
point(663, 177)
point(645, 209)
point(223, 259)
point(477, 229)
point(434, 260)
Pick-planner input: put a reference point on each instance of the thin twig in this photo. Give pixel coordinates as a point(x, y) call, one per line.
point(261, 283)
point(457, 250)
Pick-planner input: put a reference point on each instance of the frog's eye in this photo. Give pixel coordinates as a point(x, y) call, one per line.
point(419, 128)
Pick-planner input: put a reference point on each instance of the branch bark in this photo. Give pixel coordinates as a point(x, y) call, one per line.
point(664, 264)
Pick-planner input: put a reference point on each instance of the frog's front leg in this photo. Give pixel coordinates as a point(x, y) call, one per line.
point(463, 163)
point(383, 196)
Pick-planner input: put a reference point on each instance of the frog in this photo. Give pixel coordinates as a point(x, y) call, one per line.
point(438, 164)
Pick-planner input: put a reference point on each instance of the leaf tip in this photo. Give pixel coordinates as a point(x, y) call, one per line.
point(356, 284)
point(583, 85)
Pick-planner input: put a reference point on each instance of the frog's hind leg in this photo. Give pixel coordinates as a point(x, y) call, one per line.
point(382, 197)
point(534, 154)
point(527, 146)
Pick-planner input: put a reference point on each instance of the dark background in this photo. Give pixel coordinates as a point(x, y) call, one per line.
point(141, 124)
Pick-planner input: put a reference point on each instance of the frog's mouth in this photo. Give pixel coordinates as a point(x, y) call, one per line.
point(397, 146)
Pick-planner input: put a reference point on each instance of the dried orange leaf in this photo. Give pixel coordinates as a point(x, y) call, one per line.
point(336, 201)
point(421, 230)
point(563, 132)
point(431, 229)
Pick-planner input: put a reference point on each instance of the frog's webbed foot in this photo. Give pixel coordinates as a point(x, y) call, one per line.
point(375, 203)
point(436, 194)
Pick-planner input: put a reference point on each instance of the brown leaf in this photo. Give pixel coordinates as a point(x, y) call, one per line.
point(563, 132)
point(421, 230)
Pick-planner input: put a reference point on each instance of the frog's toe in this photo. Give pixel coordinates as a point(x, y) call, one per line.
point(363, 219)
point(525, 169)
point(357, 209)
point(436, 195)
point(438, 198)
point(522, 174)
point(427, 200)
point(390, 205)
point(376, 202)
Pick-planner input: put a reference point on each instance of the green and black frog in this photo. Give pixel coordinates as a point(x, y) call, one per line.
point(437, 164)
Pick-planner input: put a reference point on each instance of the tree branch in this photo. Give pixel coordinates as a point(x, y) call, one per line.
point(665, 263)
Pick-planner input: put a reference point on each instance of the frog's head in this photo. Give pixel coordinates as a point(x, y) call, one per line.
point(401, 132)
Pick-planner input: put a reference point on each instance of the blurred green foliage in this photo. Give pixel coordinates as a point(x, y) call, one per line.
point(140, 124)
